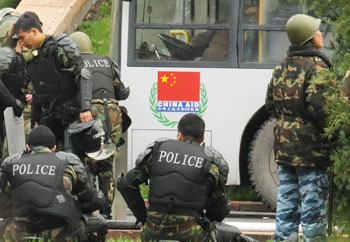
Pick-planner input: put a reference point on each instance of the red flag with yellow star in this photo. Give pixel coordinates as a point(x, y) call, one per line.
point(178, 86)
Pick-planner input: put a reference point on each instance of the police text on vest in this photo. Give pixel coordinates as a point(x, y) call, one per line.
point(28, 169)
point(186, 160)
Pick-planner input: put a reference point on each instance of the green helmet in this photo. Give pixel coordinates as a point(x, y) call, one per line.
point(83, 41)
point(6, 22)
point(301, 28)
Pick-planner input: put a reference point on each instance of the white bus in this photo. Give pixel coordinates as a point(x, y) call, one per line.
point(211, 57)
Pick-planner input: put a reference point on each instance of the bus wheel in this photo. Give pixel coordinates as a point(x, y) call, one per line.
point(262, 168)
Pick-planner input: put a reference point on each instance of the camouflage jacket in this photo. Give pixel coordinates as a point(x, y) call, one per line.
point(297, 104)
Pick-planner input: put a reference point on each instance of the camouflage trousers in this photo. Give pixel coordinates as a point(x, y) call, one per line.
point(192, 234)
point(102, 171)
point(301, 198)
point(15, 232)
point(115, 117)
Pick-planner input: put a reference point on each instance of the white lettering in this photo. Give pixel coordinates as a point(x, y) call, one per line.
point(29, 172)
point(42, 169)
point(27, 169)
point(95, 63)
point(89, 64)
point(22, 171)
point(162, 155)
point(170, 154)
point(14, 169)
point(175, 160)
point(184, 162)
point(106, 63)
point(37, 169)
point(52, 171)
point(101, 63)
point(189, 159)
point(199, 162)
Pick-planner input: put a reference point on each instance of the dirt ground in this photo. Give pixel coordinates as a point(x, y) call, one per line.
point(93, 13)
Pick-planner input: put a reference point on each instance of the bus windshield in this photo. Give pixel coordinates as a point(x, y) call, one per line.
point(224, 33)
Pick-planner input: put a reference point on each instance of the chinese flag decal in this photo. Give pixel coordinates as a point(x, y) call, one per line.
point(178, 86)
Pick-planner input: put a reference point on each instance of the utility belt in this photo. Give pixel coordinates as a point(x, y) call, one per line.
point(172, 229)
point(170, 209)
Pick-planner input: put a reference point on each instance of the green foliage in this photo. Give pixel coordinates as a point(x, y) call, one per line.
point(336, 13)
point(144, 191)
point(122, 239)
point(105, 9)
point(241, 193)
point(99, 34)
point(99, 30)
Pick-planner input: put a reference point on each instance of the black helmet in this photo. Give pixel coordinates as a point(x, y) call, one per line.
point(91, 138)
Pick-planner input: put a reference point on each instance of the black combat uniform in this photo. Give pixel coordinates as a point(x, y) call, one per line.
point(62, 87)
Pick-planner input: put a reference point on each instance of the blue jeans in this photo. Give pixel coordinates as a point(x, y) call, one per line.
point(302, 193)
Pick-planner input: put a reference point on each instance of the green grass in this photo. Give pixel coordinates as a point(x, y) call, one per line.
point(241, 193)
point(122, 239)
point(99, 30)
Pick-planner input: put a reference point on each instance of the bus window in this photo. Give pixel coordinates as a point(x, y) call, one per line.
point(182, 30)
point(206, 45)
point(264, 39)
point(158, 11)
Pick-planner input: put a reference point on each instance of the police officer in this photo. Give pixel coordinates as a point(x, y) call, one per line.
point(49, 191)
point(62, 86)
point(15, 79)
point(107, 90)
point(301, 151)
point(198, 175)
point(11, 81)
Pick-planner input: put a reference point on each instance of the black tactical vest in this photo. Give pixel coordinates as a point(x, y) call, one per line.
point(37, 188)
point(47, 78)
point(102, 75)
point(178, 178)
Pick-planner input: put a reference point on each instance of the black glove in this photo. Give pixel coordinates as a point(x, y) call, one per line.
point(18, 107)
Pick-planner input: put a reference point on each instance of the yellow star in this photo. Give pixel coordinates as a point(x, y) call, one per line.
point(164, 79)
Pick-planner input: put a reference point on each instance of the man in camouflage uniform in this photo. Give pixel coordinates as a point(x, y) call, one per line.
point(185, 179)
point(49, 192)
point(62, 86)
point(107, 90)
point(300, 150)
